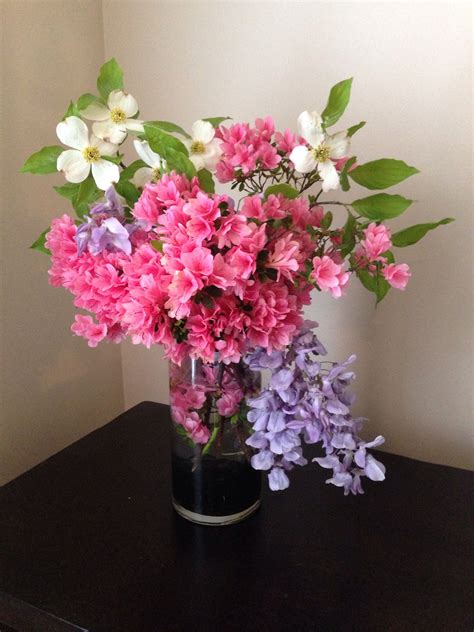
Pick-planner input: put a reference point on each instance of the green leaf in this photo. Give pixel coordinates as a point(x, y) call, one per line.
point(381, 174)
point(282, 189)
point(327, 220)
point(337, 102)
point(87, 99)
point(179, 162)
point(115, 159)
point(409, 236)
point(348, 237)
point(72, 110)
point(161, 142)
point(172, 128)
point(343, 179)
point(87, 193)
point(39, 244)
point(355, 128)
point(206, 180)
point(381, 206)
point(215, 121)
point(376, 284)
point(43, 161)
point(129, 172)
point(68, 190)
point(127, 190)
point(110, 78)
point(157, 245)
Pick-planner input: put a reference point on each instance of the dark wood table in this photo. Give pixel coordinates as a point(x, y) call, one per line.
point(89, 541)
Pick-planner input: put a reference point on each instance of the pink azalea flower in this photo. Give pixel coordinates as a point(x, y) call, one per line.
point(231, 230)
point(397, 274)
point(199, 262)
point(84, 326)
point(329, 275)
point(252, 207)
point(283, 257)
point(222, 274)
point(377, 241)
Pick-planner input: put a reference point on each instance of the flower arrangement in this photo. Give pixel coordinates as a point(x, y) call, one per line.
point(156, 254)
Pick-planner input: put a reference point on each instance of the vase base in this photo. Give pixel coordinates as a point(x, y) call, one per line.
point(215, 521)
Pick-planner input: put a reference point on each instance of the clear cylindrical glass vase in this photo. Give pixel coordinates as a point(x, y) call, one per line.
point(213, 482)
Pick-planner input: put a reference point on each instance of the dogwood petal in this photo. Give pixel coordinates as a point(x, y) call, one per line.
point(72, 163)
point(212, 154)
point(339, 145)
point(96, 112)
point(127, 103)
point(310, 127)
point(108, 131)
point(73, 132)
point(197, 160)
point(329, 175)
point(146, 153)
point(303, 159)
point(105, 173)
point(105, 148)
point(202, 131)
point(142, 176)
point(134, 125)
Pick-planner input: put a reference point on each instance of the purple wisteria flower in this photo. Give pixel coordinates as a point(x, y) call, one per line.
point(307, 401)
point(105, 228)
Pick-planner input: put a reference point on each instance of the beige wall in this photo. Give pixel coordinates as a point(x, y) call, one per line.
point(54, 388)
point(411, 63)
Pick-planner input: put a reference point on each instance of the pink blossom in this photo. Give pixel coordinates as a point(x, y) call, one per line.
point(265, 127)
point(397, 274)
point(228, 404)
point(283, 257)
point(199, 262)
point(244, 263)
point(252, 207)
point(222, 274)
point(287, 141)
point(329, 275)
point(231, 230)
point(377, 241)
point(84, 326)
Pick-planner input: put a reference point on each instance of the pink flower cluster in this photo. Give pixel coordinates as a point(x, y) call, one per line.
point(376, 242)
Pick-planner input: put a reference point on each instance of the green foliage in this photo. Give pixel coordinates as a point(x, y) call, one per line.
point(39, 244)
point(337, 102)
point(206, 180)
point(381, 174)
point(355, 128)
point(80, 195)
point(161, 142)
point(157, 245)
point(43, 161)
point(110, 78)
point(129, 172)
point(72, 110)
point(381, 206)
point(215, 121)
point(127, 190)
point(284, 189)
point(327, 220)
point(409, 236)
point(376, 284)
point(115, 159)
point(343, 179)
point(179, 162)
point(85, 100)
point(348, 236)
point(172, 128)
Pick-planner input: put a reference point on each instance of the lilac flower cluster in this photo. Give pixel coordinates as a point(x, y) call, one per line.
point(307, 401)
point(106, 229)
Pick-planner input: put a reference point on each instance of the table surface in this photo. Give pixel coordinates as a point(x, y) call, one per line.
point(89, 541)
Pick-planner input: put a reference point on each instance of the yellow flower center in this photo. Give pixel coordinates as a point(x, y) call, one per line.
point(321, 153)
point(91, 154)
point(156, 174)
point(197, 147)
point(117, 115)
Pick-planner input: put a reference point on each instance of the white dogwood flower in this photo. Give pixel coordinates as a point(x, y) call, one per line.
point(114, 119)
point(86, 154)
point(322, 148)
point(204, 148)
point(155, 163)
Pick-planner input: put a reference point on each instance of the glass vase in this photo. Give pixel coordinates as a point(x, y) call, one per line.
point(213, 482)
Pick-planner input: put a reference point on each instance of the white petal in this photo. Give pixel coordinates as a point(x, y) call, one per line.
point(134, 124)
point(142, 176)
point(109, 131)
point(105, 149)
point(212, 154)
point(96, 112)
point(339, 144)
point(329, 175)
point(73, 132)
point(303, 159)
point(72, 163)
point(197, 160)
point(105, 173)
point(310, 127)
point(146, 153)
point(127, 103)
point(202, 131)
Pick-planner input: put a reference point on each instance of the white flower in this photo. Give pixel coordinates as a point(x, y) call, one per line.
point(323, 147)
point(114, 119)
point(87, 153)
point(154, 161)
point(204, 149)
